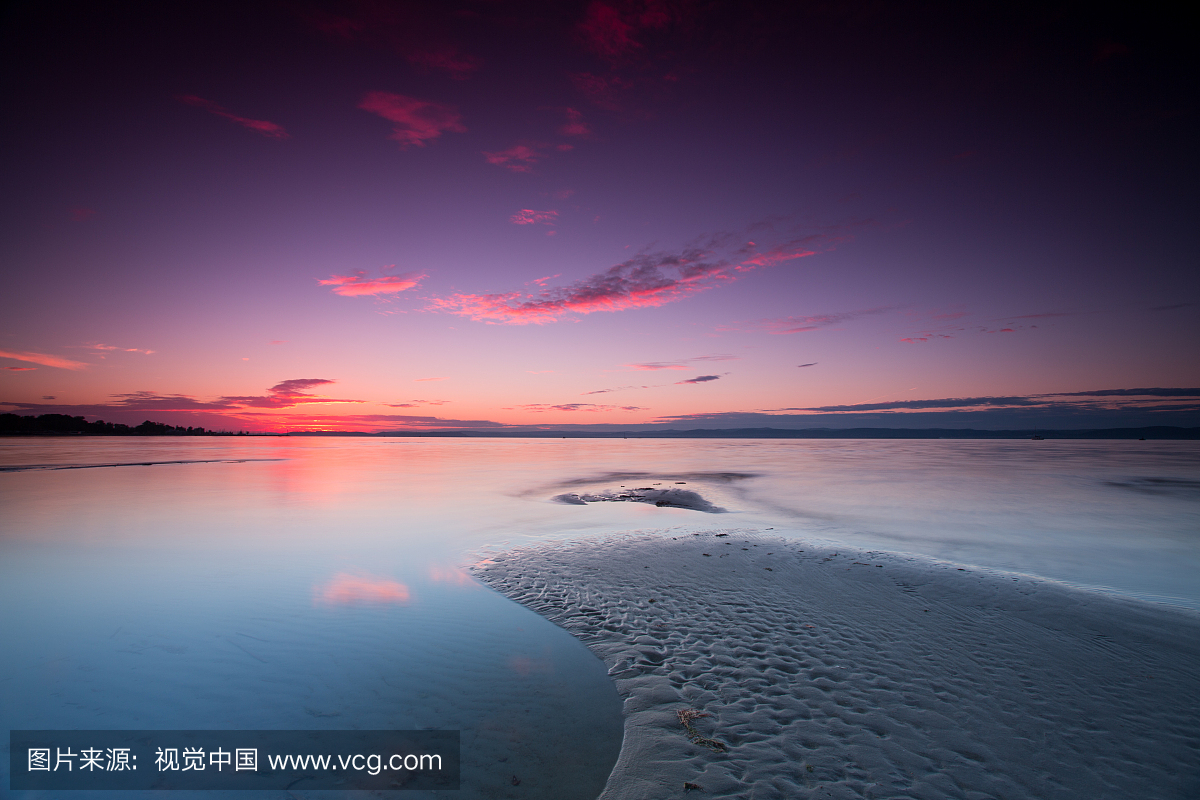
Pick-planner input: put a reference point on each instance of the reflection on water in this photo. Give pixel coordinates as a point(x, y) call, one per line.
point(318, 583)
point(355, 589)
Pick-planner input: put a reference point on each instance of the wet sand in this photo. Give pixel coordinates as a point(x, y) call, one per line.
point(804, 672)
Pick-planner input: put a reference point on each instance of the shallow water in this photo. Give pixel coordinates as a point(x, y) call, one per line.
point(301, 583)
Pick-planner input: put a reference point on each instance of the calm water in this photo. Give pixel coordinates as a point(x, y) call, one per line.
point(317, 583)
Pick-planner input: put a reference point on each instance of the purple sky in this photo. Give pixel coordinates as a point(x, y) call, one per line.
point(377, 216)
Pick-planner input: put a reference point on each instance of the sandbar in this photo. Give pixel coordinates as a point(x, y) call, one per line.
point(803, 671)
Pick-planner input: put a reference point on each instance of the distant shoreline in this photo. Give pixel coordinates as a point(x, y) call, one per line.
point(1148, 433)
point(63, 425)
point(1157, 433)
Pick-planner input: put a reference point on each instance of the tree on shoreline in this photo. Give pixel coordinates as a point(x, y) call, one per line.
point(48, 424)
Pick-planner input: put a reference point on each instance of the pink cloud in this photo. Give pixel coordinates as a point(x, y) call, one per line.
point(785, 325)
point(610, 31)
point(602, 91)
point(43, 359)
point(915, 339)
point(518, 158)
point(644, 281)
point(527, 216)
point(286, 394)
point(641, 282)
point(21, 369)
point(346, 589)
point(656, 365)
point(617, 389)
point(815, 322)
point(412, 30)
point(358, 285)
point(416, 403)
point(447, 58)
point(777, 255)
point(1043, 316)
point(106, 348)
point(268, 129)
point(415, 121)
point(81, 214)
point(540, 407)
point(575, 126)
point(700, 379)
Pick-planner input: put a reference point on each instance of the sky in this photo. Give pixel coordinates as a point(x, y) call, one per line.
point(618, 214)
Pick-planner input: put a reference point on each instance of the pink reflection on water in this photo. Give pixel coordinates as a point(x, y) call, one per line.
point(347, 589)
point(526, 666)
point(453, 576)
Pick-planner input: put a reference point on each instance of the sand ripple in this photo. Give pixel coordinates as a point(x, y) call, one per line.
point(848, 674)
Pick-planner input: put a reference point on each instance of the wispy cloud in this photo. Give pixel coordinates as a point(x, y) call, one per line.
point(644, 281)
point(287, 394)
point(268, 129)
point(611, 29)
point(952, 402)
point(1099, 408)
point(1147, 392)
point(1011, 401)
point(933, 325)
point(575, 126)
point(386, 422)
point(575, 407)
point(617, 389)
point(269, 411)
point(701, 379)
point(414, 121)
point(445, 58)
point(43, 359)
point(358, 284)
point(1047, 315)
point(654, 366)
point(416, 403)
point(127, 401)
point(421, 33)
point(518, 158)
point(108, 348)
point(786, 325)
point(528, 216)
point(813, 364)
point(22, 369)
point(603, 91)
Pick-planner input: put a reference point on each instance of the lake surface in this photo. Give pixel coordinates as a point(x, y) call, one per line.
point(309, 583)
